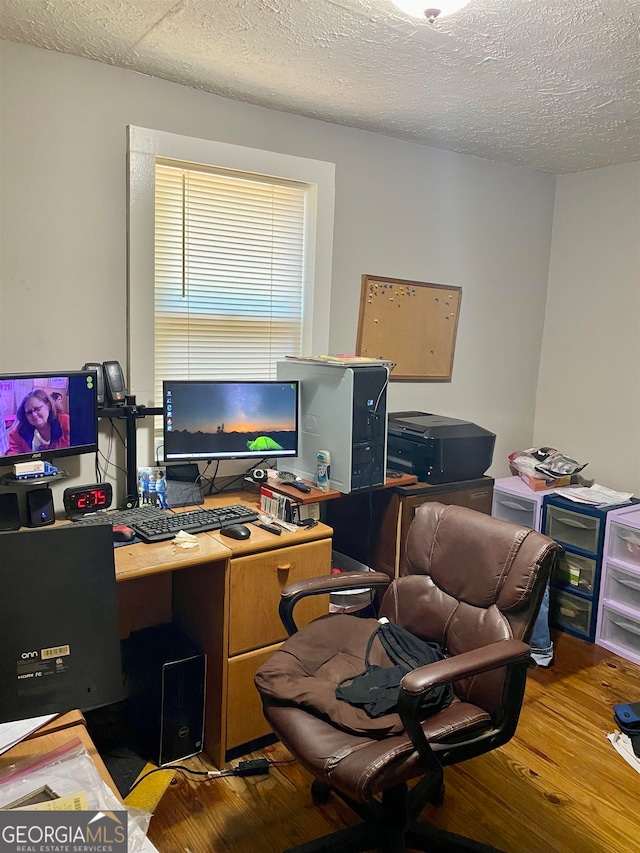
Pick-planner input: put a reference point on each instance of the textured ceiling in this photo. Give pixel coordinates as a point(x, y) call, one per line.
point(549, 84)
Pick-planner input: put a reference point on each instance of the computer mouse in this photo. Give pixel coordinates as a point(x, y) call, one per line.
point(236, 531)
point(121, 533)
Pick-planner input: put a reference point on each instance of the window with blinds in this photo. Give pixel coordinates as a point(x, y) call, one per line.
point(229, 273)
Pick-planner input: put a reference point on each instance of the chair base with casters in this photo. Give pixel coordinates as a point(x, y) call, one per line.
point(391, 825)
point(473, 584)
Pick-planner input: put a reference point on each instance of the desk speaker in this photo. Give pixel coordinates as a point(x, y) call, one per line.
point(9, 511)
point(114, 385)
point(100, 393)
point(40, 508)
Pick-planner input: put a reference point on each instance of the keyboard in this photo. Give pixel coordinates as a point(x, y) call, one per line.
point(126, 517)
point(153, 524)
point(192, 521)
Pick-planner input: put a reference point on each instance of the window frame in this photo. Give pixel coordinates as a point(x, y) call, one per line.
point(144, 145)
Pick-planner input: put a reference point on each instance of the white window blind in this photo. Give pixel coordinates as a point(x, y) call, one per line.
point(229, 273)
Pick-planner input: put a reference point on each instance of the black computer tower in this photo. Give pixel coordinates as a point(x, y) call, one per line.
point(166, 686)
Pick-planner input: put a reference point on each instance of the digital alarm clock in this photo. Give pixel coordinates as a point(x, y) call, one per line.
point(79, 500)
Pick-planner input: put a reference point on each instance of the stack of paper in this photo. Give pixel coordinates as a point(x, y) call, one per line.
point(343, 360)
point(596, 495)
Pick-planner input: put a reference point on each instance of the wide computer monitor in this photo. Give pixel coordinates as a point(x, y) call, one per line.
point(214, 420)
point(47, 415)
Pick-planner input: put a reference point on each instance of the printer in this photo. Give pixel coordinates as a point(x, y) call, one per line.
point(438, 449)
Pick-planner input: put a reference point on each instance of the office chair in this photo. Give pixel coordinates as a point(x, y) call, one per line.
point(471, 583)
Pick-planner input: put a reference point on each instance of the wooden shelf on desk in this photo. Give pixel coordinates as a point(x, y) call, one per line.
point(400, 480)
point(312, 497)
point(317, 495)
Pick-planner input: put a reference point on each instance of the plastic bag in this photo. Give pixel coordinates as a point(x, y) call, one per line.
point(544, 463)
point(67, 770)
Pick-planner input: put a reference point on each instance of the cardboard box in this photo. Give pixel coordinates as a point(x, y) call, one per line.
point(539, 484)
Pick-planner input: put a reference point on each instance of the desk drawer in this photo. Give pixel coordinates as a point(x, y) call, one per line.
point(245, 720)
point(254, 594)
point(573, 528)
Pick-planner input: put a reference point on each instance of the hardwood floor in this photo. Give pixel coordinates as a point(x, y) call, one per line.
point(557, 787)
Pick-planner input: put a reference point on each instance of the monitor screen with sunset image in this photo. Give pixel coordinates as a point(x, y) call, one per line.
point(213, 420)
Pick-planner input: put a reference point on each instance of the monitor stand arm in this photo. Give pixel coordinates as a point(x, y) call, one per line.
point(131, 413)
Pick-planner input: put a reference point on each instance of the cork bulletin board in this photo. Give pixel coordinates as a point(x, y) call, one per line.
point(411, 323)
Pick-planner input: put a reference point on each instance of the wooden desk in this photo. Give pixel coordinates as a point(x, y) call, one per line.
point(62, 721)
point(224, 593)
point(372, 527)
point(474, 494)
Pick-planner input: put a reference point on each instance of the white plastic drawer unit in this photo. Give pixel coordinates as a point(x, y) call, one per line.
point(572, 528)
point(624, 543)
point(571, 612)
point(513, 508)
point(621, 586)
point(576, 571)
point(620, 633)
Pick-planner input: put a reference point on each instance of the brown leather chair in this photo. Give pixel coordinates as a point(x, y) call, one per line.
point(471, 583)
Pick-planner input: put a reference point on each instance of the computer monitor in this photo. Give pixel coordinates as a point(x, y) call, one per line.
point(230, 420)
point(59, 640)
point(47, 415)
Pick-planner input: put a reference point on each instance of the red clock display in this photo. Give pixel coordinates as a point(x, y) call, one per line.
point(83, 499)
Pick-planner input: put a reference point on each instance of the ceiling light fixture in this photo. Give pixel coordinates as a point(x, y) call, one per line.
point(421, 9)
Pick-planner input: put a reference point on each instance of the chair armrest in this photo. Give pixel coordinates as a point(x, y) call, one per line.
point(416, 683)
point(420, 680)
point(323, 584)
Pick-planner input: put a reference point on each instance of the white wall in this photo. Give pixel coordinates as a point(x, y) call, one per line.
point(402, 210)
point(589, 393)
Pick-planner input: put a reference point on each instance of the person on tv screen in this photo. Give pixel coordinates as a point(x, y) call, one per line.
point(4, 440)
point(38, 425)
point(161, 490)
point(58, 402)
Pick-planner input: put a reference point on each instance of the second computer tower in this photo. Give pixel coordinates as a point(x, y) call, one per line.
point(342, 410)
point(166, 684)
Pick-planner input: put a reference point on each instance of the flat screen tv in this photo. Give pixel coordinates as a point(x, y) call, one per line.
point(230, 420)
point(59, 629)
point(47, 415)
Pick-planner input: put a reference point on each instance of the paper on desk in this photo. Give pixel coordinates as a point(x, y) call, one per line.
point(341, 360)
point(185, 540)
point(597, 495)
point(12, 733)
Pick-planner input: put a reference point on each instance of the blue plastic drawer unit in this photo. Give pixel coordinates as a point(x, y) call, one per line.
point(580, 528)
